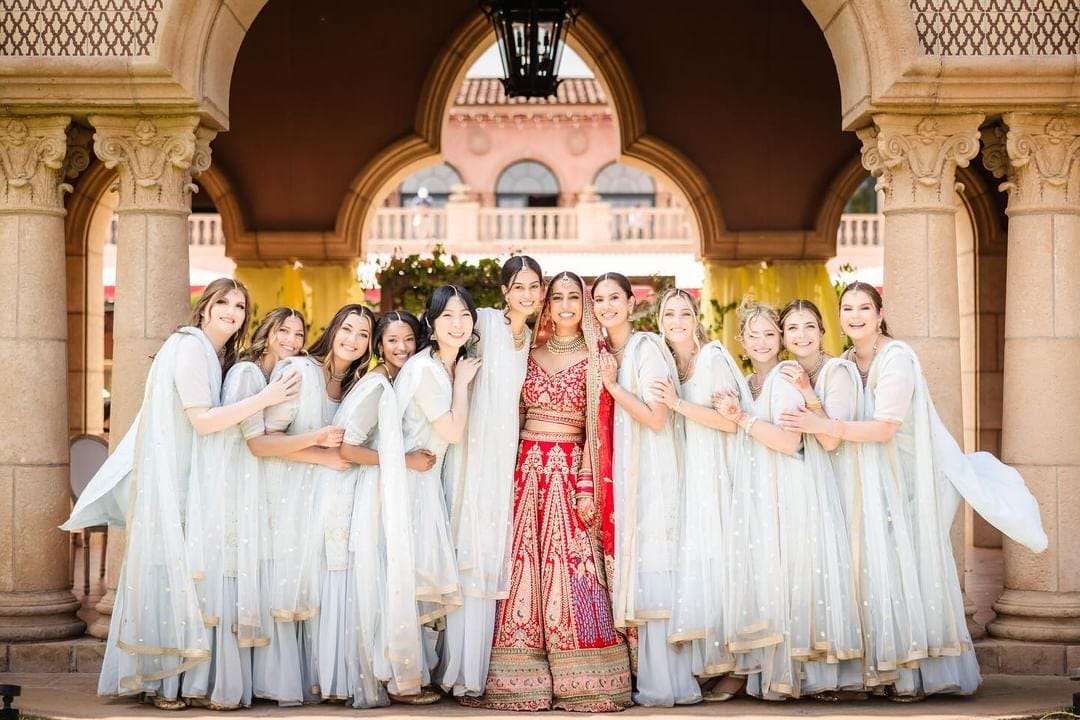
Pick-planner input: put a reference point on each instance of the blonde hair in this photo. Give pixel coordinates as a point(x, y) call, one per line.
point(700, 336)
point(217, 289)
point(750, 308)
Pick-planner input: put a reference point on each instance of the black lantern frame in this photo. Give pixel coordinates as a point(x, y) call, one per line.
point(531, 35)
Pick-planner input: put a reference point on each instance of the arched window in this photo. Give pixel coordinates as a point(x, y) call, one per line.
point(624, 186)
point(527, 184)
point(430, 186)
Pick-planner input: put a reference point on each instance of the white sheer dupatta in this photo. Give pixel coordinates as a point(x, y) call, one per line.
point(389, 623)
point(702, 579)
point(157, 631)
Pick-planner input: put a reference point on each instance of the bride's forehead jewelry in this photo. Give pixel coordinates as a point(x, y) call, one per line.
point(565, 280)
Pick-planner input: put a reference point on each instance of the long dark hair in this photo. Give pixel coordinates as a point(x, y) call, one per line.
point(436, 305)
point(260, 338)
point(388, 319)
point(217, 289)
point(618, 278)
point(875, 297)
point(323, 347)
point(515, 265)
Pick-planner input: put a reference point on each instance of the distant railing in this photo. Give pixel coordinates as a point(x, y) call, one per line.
point(420, 223)
point(593, 222)
point(860, 230)
point(204, 230)
point(648, 223)
point(527, 224)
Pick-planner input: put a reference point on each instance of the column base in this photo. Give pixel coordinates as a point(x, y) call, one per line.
point(977, 630)
point(1037, 616)
point(104, 607)
point(42, 615)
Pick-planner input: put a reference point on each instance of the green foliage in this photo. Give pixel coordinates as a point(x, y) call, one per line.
point(409, 280)
point(644, 315)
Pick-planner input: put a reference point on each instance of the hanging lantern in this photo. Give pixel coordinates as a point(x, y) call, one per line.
point(531, 35)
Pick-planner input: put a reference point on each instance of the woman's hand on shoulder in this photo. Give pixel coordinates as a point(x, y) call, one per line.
point(281, 389)
point(466, 370)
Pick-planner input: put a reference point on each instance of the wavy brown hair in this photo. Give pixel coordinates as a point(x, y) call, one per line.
point(260, 338)
point(216, 290)
point(323, 347)
point(875, 297)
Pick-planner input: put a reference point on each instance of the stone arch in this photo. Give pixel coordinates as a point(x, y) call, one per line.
point(89, 214)
point(872, 42)
point(639, 149)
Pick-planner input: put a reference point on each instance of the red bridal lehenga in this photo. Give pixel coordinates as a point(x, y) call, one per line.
point(555, 642)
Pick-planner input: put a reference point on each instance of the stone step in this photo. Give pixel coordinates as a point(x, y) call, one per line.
point(84, 655)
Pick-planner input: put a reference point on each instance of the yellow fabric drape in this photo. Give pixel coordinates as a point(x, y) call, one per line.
point(774, 283)
point(315, 290)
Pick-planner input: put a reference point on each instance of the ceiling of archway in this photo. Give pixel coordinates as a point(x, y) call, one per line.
point(748, 91)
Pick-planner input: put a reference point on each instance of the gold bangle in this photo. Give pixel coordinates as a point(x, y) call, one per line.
point(814, 405)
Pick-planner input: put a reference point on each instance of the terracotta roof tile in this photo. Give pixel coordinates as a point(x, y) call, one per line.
point(489, 91)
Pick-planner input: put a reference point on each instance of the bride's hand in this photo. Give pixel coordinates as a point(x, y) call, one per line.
point(586, 510)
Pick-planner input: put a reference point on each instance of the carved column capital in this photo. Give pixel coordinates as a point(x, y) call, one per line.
point(155, 157)
point(914, 157)
point(36, 154)
point(1037, 156)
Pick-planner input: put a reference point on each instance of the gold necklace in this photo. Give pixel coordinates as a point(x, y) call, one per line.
point(558, 346)
point(685, 374)
point(814, 373)
point(866, 375)
point(618, 351)
point(334, 377)
point(754, 391)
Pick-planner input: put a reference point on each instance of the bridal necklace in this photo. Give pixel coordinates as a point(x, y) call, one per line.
point(557, 345)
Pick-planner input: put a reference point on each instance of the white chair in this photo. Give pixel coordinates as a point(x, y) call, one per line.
point(88, 453)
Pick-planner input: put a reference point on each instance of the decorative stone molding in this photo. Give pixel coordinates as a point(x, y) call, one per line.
point(36, 154)
point(915, 157)
point(1038, 158)
point(997, 27)
point(155, 158)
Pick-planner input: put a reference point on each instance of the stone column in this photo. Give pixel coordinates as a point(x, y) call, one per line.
point(915, 158)
point(1039, 157)
point(36, 602)
point(155, 159)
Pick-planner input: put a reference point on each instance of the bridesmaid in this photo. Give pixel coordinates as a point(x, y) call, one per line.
point(904, 445)
point(433, 395)
point(829, 388)
point(299, 659)
point(158, 630)
point(759, 551)
point(234, 589)
point(369, 638)
point(704, 369)
point(648, 493)
point(481, 494)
